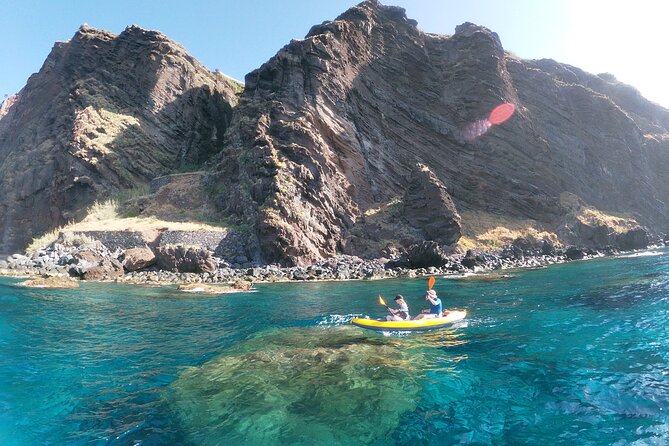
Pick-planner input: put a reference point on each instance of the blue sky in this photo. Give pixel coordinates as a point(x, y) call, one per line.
point(619, 37)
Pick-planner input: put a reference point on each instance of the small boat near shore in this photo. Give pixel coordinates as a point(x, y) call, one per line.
point(411, 325)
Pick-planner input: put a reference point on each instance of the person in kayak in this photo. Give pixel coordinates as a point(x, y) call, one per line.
point(401, 313)
point(435, 306)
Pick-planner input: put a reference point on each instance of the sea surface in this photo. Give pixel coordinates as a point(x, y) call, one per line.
point(574, 354)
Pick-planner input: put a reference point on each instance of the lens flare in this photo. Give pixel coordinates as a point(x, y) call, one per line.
point(501, 113)
point(498, 115)
point(476, 129)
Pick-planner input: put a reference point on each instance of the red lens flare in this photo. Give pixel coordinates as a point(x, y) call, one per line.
point(497, 116)
point(501, 113)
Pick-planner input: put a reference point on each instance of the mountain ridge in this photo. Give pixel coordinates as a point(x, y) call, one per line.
point(335, 139)
point(335, 123)
point(105, 113)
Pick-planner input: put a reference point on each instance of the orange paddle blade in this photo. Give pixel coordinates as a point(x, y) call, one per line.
point(501, 113)
point(381, 301)
point(430, 283)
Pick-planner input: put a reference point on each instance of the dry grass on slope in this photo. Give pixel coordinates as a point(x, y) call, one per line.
point(590, 216)
point(486, 230)
point(180, 205)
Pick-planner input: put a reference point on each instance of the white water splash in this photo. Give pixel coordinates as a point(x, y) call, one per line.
point(337, 319)
point(643, 254)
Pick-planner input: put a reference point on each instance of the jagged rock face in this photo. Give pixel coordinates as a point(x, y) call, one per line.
point(105, 112)
point(598, 138)
point(7, 104)
point(429, 207)
point(333, 125)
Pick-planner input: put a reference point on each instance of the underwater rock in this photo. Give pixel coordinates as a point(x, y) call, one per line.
point(51, 282)
point(299, 386)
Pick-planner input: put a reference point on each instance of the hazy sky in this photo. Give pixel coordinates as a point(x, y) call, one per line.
point(627, 39)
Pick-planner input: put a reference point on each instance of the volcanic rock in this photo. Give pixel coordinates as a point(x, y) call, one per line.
point(547, 248)
point(331, 128)
point(429, 207)
point(574, 253)
point(185, 259)
point(302, 379)
point(6, 104)
point(85, 257)
point(636, 238)
point(425, 255)
point(471, 259)
point(319, 156)
point(107, 269)
point(50, 282)
point(138, 258)
point(105, 113)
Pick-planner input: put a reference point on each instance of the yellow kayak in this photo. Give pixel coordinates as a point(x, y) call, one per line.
point(411, 325)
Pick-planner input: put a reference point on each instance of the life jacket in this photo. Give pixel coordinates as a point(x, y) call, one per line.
point(436, 309)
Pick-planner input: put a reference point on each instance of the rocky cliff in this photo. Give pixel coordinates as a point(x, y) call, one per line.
point(326, 137)
point(105, 113)
point(356, 139)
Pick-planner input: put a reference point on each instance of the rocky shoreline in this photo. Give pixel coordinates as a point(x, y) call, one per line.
point(94, 262)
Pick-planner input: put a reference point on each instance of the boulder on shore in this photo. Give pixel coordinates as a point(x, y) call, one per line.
point(421, 255)
point(635, 238)
point(185, 259)
point(138, 258)
point(574, 253)
point(107, 269)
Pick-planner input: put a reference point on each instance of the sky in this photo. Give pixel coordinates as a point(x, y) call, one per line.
point(626, 39)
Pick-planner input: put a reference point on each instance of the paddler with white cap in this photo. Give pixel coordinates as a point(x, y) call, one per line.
point(435, 306)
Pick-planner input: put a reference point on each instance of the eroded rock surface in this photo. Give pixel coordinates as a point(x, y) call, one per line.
point(138, 258)
point(185, 259)
point(105, 113)
point(429, 207)
point(333, 125)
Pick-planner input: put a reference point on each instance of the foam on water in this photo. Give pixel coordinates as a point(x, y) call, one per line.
point(642, 254)
point(337, 319)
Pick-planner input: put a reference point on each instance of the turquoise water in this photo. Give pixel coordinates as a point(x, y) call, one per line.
point(572, 354)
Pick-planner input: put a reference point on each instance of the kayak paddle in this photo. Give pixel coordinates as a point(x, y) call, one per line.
point(383, 302)
point(430, 284)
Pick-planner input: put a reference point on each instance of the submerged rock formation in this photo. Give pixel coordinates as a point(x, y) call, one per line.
point(105, 113)
point(333, 125)
point(298, 386)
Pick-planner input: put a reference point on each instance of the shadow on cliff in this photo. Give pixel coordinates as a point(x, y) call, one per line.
point(415, 112)
point(173, 145)
point(67, 153)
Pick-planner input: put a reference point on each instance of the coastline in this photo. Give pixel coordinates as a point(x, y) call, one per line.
point(339, 269)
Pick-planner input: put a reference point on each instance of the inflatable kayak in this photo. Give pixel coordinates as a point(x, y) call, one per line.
point(411, 325)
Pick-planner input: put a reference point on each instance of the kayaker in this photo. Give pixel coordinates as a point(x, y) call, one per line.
point(401, 313)
point(435, 306)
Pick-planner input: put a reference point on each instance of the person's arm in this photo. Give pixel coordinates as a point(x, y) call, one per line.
point(432, 301)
